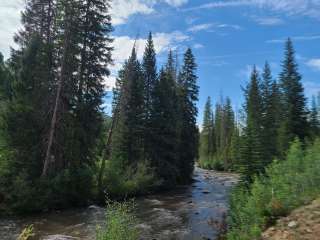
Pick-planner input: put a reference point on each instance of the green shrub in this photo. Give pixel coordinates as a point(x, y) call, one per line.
point(211, 163)
point(132, 181)
point(23, 195)
point(120, 222)
point(286, 185)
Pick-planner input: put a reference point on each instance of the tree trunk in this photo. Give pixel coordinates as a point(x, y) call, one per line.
point(56, 110)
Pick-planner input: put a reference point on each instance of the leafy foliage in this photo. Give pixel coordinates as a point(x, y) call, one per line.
point(287, 184)
point(120, 222)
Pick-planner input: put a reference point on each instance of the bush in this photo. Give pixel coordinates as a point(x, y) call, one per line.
point(22, 195)
point(286, 185)
point(211, 163)
point(120, 222)
point(119, 183)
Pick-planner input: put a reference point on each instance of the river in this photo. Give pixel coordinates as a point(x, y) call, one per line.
point(186, 213)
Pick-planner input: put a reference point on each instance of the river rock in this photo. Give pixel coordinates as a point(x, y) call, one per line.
point(292, 224)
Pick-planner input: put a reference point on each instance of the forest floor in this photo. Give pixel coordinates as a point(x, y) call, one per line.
point(302, 224)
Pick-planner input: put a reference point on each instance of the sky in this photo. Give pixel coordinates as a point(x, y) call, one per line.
point(228, 37)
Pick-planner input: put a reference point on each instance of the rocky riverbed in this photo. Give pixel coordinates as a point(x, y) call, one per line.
point(189, 212)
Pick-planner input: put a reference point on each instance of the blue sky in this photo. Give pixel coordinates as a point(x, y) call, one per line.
point(227, 36)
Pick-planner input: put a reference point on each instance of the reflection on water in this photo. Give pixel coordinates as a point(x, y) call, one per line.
point(190, 212)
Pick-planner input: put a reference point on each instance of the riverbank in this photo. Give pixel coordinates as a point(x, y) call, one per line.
point(302, 224)
point(189, 212)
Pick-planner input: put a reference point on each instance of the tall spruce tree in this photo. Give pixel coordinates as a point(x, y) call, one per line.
point(270, 115)
point(128, 137)
point(294, 114)
point(164, 137)
point(5, 81)
point(149, 69)
point(314, 119)
point(207, 136)
point(85, 56)
point(252, 152)
point(55, 114)
point(228, 125)
point(188, 97)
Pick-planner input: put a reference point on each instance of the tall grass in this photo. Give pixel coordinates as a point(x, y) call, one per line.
point(286, 185)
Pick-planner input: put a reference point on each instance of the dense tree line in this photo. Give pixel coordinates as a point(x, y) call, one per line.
point(155, 117)
point(57, 146)
point(275, 112)
point(219, 136)
point(51, 97)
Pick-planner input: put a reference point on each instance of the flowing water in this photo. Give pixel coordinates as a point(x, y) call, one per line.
point(190, 212)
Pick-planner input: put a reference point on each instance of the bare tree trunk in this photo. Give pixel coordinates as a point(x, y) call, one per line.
point(56, 109)
point(52, 130)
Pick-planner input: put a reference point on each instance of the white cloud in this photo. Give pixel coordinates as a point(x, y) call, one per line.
point(198, 45)
point(122, 9)
point(233, 26)
point(314, 63)
point(123, 47)
point(290, 7)
point(176, 3)
point(200, 27)
point(207, 26)
point(268, 21)
point(9, 23)
point(295, 38)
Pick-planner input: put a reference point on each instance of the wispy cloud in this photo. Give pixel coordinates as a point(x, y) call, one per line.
point(176, 3)
point(295, 38)
point(200, 27)
point(198, 46)
point(268, 21)
point(212, 26)
point(314, 63)
point(290, 7)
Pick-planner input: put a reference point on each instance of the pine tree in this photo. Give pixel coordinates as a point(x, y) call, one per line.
point(314, 120)
point(228, 127)
point(270, 116)
point(294, 115)
point(252, 152)
point(171, 66)
point(54, 114)
point(149, 69)
point(164, 137)
point(85, 56)
point(128, 138)
point(188, 96)
point(207, 136)
point(5, 81)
